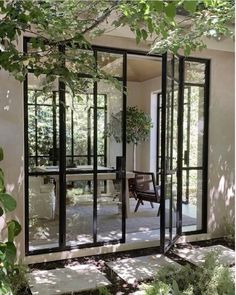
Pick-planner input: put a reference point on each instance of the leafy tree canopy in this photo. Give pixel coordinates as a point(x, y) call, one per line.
point(63, 26)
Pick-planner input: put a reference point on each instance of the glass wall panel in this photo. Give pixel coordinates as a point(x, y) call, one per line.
point(192, 191)
point(79, 208)
point(194, 72)
point(110, 63)
point(193, 126)
point(43, 190)
point(43, 123)
point(193, 145)
point(43, 212)
point(109, 200)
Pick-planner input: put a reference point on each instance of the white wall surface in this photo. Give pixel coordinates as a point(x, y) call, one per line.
point(139, 94)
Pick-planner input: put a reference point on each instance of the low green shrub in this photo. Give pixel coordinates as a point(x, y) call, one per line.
point(209, 279)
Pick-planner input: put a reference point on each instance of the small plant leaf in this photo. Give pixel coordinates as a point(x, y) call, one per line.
point(10, 252)
point(170, 10)
point(190, 6)
point(1, 211)
point(1, 153)
point(14, 228)
point(8, 202)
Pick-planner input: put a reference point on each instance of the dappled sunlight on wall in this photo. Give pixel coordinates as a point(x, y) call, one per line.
point(12, 141)
point(221, 195)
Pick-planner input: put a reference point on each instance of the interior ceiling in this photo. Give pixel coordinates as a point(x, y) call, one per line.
point(140, 69)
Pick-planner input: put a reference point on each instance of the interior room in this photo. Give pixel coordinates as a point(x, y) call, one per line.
point(94, 198)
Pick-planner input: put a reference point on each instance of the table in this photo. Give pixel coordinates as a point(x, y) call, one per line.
point(104, 173)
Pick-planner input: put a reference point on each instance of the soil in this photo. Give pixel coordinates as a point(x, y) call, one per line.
point(119, 286)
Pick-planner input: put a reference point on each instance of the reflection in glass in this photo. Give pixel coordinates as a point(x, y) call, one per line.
point(43, 123)
point(109, 218)
point(80, 128)
point(194, 72)
point(43, 212)
point(79, 209)
point(110, 63)
point(192, 191)
point(193, 126)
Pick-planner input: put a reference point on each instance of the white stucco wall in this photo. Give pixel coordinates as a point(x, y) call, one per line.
point(221, 161)
point(221, 135)
point(139, 94)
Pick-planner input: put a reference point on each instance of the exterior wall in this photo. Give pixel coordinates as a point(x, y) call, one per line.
point(221, 154)
point(12, 141)
point(221, 137)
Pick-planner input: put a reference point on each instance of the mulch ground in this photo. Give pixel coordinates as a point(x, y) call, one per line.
point(119, 286)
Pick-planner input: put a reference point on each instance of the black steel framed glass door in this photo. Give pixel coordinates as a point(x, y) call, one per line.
point(75, 173)
point(171, 151)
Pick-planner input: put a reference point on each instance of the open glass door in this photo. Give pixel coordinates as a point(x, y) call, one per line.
point(171, 150)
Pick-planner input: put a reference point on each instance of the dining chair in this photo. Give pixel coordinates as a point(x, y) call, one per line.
point(146, 189)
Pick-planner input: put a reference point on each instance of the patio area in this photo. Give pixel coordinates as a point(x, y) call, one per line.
point(119, 273)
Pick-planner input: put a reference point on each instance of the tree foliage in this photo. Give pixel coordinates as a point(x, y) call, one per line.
point(138, 125)
point(61, 27)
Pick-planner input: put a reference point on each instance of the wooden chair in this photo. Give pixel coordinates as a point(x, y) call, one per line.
point(146, 189)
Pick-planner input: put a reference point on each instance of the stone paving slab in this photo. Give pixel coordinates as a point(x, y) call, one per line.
point(137, 269)
point(66, 280)
point(197, 255)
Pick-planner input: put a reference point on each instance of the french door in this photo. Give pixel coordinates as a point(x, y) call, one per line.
point(184, 147)
point(171, 150)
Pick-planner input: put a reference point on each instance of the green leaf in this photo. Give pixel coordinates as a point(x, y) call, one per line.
point(190, 6)
point(157, 6)
point(170, 10)
point(138, 35)
point(1, 153)
point(1, 211)
point(14, 228)
point(144, 34)
point(2, 185)
point(11, 230)
point(10, 252)
point(8, 202)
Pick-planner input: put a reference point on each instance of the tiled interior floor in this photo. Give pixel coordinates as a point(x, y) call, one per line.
point(143, 225)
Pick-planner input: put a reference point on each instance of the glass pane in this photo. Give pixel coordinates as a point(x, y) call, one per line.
point(109, 191)
point(193, 126)
point(79, 209)
point(79, 127)
point(80, 61)
point(37, 84)
point(176, 69)
point(109, 217)
point(194, 72)
point(110, 63)
point(114, 127)
point(192, 195)
point(44, 130)
point(43, 212)
point(43, 123)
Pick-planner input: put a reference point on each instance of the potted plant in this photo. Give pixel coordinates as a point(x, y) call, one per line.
point(138, 125)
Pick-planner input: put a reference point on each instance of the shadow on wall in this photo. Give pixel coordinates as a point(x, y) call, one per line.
point(221, 192)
